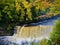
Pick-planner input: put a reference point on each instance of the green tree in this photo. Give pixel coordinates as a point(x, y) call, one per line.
point(55, 34)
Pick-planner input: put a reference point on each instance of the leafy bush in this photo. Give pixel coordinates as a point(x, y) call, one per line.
point(45, 42)
point(55, 34)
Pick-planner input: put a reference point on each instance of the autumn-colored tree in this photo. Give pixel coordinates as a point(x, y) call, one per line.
point(15, 12)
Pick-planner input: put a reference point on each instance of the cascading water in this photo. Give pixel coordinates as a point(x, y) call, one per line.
point(26, 35)
point(33, 31)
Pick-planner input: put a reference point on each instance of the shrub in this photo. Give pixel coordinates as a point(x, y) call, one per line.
point(45, 42)
point(55, 34)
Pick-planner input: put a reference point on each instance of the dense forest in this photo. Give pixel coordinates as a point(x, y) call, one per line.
point(16, 12)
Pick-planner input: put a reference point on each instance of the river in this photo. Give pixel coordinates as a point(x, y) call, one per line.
point(12, 40)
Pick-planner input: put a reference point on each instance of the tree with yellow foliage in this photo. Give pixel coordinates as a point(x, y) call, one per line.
point(22, 11)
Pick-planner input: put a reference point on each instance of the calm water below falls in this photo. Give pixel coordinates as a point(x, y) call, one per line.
point(27, 35)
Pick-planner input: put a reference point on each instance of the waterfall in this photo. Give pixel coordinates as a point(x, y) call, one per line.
point(26, 35)
point(33, 31)
point(20, 29)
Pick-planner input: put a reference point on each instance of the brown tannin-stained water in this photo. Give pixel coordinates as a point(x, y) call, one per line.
point(27, 35)
point(33, 31)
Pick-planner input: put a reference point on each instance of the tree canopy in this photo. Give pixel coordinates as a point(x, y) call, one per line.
point(15, 12)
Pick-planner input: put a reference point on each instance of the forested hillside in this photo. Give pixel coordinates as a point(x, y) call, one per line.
point(15, 12)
